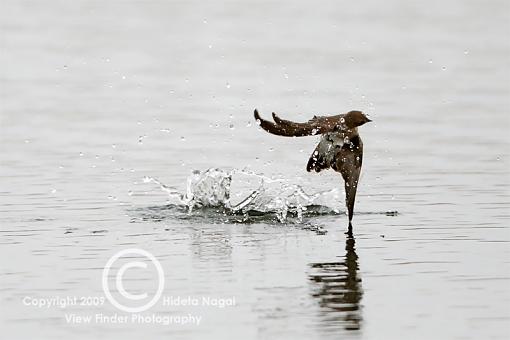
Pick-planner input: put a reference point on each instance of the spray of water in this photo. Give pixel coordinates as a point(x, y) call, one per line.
point(241, 192)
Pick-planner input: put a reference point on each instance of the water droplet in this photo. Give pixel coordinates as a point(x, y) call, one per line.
point(130, 193)
point(248, 124)
point(81, 154)
point(231, 127)
point(205, 21)
point(183, 139)
point(53, 191)
point(228, 85)
point(430, 61)
point(27, 141)
point(210, 46)
point(466, 52)
point(114, 146)
point(165, 130)
point(141, 138)
point(443, 68)
point(271, 149)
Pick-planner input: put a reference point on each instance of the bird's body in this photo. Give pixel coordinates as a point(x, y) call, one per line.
point(340, 147)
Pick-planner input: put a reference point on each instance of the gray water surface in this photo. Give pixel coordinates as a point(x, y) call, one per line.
point(97, 96)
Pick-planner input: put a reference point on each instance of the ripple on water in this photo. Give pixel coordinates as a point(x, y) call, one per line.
point(221, 196)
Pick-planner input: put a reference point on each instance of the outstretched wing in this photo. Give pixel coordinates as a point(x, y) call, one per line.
point(287, 128)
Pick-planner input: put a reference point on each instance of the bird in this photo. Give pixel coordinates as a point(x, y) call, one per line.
point(340, 147)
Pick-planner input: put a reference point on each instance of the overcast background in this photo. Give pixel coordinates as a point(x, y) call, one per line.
point(95, 95)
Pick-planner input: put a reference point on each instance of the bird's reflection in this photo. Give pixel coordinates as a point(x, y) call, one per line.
point(338, 288)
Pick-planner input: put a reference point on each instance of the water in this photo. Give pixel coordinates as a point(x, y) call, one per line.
point(100, 99)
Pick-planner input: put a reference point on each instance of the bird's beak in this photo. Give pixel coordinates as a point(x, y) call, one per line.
point(369, 120)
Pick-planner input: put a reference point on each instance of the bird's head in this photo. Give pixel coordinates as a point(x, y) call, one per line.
point(353, 119)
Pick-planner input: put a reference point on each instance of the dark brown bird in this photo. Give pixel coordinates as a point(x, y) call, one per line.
point(340, 146)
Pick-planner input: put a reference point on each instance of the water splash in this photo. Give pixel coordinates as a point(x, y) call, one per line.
point(247, 194)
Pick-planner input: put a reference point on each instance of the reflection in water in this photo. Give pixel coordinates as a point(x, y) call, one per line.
point(339, 288)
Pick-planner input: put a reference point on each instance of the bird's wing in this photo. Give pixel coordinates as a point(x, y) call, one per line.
point(287, 128)
point(326, 152)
